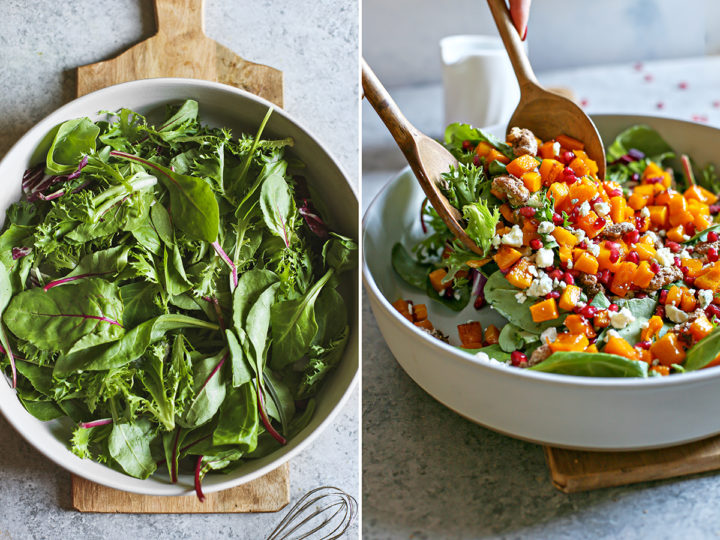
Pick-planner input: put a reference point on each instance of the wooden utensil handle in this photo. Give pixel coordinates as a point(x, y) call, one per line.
point(513, 43)
point(176, 17)
point(402, 131)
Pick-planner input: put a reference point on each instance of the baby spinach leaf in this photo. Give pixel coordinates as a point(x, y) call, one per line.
point(175, 279)
point(129, 446)
point(277, 206)
point(500, 295)
point(163, 224)
point(412, 272)
point(592, 365)
point(71, 140)
point(6, 291)
point(239, 423)
point(55, 320)
point(139, 303)
point(194, 205)
point(241, 370)
point(457, 301)
point(258, 323)
point(340, 253)
point(642, 309)
point(640, 137)
point(130, 347)
point(209, 391)
point(250, 286)
point(42, 410)
point(294, 326)
point(704, 351)
point(456, 134)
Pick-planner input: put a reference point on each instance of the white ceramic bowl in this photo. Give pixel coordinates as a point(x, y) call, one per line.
point(221, 106)
point(566, 411)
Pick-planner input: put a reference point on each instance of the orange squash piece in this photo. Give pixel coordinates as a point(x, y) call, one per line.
point(709, 280)
point(550, 169)
point(658, 215)
point(688, 302)
point(522, 164)
point(668, 350)
point(700, 194)
point(618, 205)
point(586, 263)
point(645, 251)
point(545, 310)
point(564, 237)
point(436, 277)
point(623, 278)
point(420, 312)
point(494, 155)
point(532, 181)
point(579, 167)
point(577, 324)
point(547, 150)
point(643, 275)
point(426, 324)
point(700, 328)
point(507, 213)
point(519, 275)
point(402, 307)
point(569, 297)
point(506, 257)
point(569, 342)
point(559, 192)
point(483, 149)
point(617, 345)
point(653, 327)
point(471, 335)
point(569, 143)
point(492, 335)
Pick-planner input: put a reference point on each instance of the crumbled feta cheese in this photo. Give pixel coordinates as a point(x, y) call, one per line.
point(563, 284)
point(574, 201)
point(548, 336)
point(645, 212)
point(620, 319)
point(569, 265)
point(520, 297)
point(556, 149)
point(533, 270)
point(593, 249)
point(661, 233)
point(580, 234)
point(686, 237)
point(483, 357)
point(705, 297)
point(496, 241)
point(514, 238)
point(585, 208)
point(675, 315)
point(651, 235)
point(602, 208)
point(611, 333)
point(546, 227)
point(665, 257)
point(544, 257)
point(540, 286)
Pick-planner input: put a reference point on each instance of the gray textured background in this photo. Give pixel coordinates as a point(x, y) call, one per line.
point(315, 44)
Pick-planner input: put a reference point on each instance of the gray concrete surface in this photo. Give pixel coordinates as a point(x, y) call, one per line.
point(41, 41)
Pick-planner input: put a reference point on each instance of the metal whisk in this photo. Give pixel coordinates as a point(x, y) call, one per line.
point(325, 513)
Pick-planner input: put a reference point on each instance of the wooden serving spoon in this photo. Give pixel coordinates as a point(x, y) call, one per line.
point(544, 113)
point(427, 158)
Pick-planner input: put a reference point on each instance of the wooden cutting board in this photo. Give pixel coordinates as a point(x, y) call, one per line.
point(181, 49)
point(572, 471)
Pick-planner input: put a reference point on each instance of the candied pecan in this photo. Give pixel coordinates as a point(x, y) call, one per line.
point(665, 276)
point(523, 141)
point(539, 354)
point(513, 187)
point(616, 230)
point(703, 247)
point(589, 282)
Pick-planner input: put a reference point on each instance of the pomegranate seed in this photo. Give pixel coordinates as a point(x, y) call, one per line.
point(589, 311)
point(527, 211)
point(640, 222)
point(611, 245)
point(568, 176)
point(660, 311)
point(476, 160)
point(556, 274)
point(712, 254)
point(632, 257)
point(644, 344)
point(635, 177)
point(673, 246)
point(467, 145)
point(503, 272)
point(552, 294)
point(655, 267)
point(604, 277)
point(684, 270)
point(641, 295)
point(517, 358)
point(599, 223)
point(582, 245)
point(615, 193)
point(567, 157)
point(574, 272)
point(479, 301)
point(567, 278)
point(690, 229)
point(663, 296)
point(577, 309)
point(536, 243)
point(557, 219)
point(632, 237)
point(712, 236)
point(613, 307)
point(654, 180)
point(712, 310)
point(690, 280)
point(714, 208)
point(614, 255)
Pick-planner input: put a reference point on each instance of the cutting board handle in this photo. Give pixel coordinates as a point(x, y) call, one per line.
point(176, 17)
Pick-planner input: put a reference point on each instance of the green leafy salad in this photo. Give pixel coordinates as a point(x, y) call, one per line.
point(616, 276)
point(172, 291)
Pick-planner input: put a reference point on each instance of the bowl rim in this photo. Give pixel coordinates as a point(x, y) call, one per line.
point(75, 466)
point(620, 383)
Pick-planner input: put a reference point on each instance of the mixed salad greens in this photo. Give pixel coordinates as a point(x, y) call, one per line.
point(172, 290)
point(614, 277)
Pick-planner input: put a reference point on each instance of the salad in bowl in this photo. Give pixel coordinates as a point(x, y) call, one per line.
point(612, 277)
